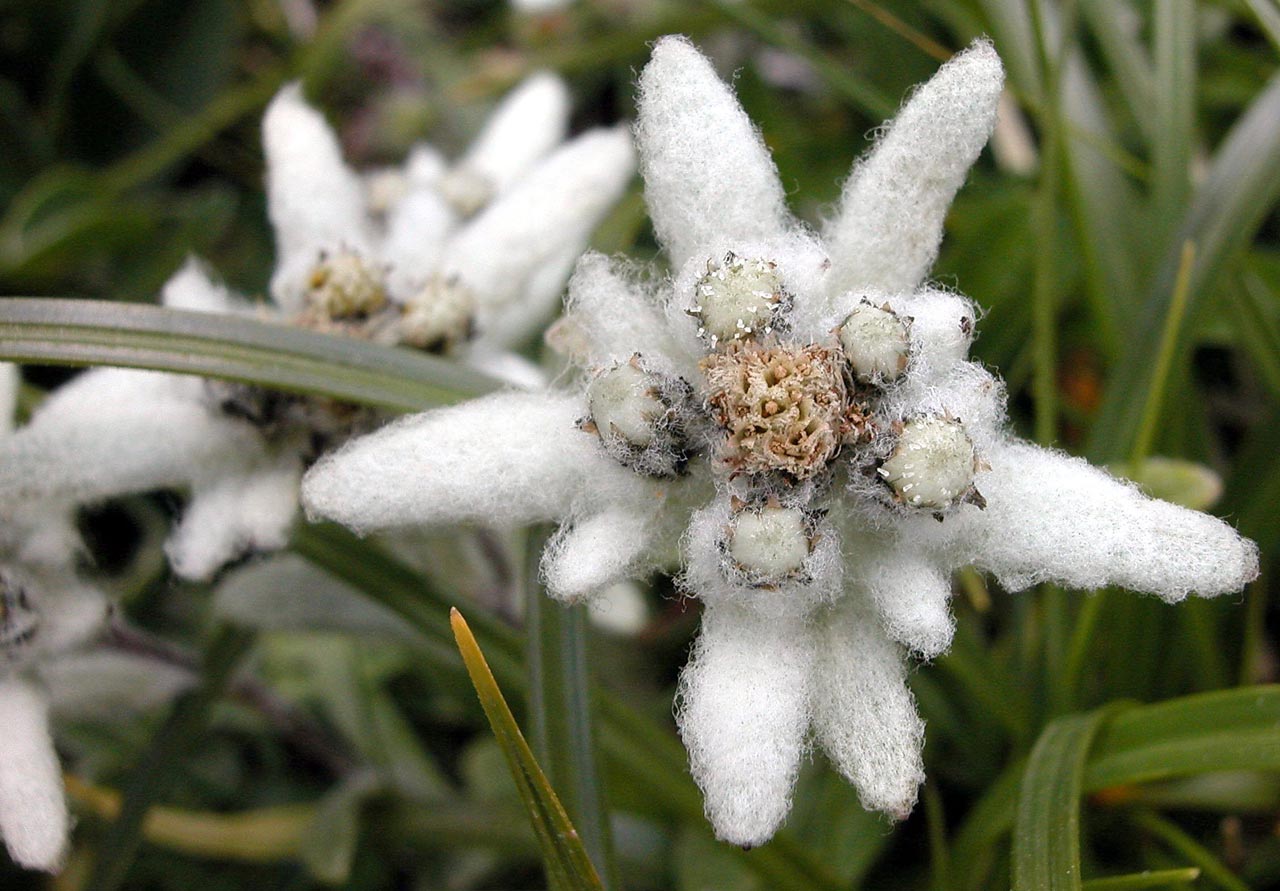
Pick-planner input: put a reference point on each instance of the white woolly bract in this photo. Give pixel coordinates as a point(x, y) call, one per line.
point(618, 317)
point(912, 595)
point(592, 553)
point(706, 170)
point(113, 431)
point(416, 232)
point(10, 383)
point(743, 710)
point(33, 810)
point(1052, 517)
point(619, 609)
point(504, 460)
point(711, 575)
point(192, 287)
point(556, 205)
point(511, 368)
point(889, 224)
point(509, 325)
point(863, 714)
point(316, 203)
point(528, 123)
point(234, 515)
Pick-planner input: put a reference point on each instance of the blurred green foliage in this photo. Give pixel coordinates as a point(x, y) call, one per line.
point(128, 133)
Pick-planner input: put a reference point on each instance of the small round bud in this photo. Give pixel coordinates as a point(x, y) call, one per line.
point(876, 343)
point(933, 464)
point(738, 299)
point(636, 413)
point(770, 544)
point(345, 286)
point(466, 190)
point(439, 317)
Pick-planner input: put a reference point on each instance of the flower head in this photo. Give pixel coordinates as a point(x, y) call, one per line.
point(45, 612)
point(799, 413)
point(467, 259)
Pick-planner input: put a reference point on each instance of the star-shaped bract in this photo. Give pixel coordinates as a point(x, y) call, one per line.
point(821, 547)
point(498, 231)
point(45, 612)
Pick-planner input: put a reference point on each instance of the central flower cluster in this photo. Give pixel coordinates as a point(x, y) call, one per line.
point(785, 409)
point(775, 413)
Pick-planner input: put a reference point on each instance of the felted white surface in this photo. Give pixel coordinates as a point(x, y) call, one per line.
point(743, 711)
point(505, 459)
point(590, 554)
point(113, 431)
point(864, 715)
point(416, 232)
point(707, 172)
point(192, 287)
point(316, 203)
point(912, 595)
point(1052, 517)
point(617, 315)
point(33, 812)
point(10, 383)
point(230, 516)
point(889, 223)
point(527, 124)
point(562, 198)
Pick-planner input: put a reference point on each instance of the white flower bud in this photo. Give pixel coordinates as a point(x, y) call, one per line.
point(932, 465)
point(637, 416)
point(466, 190)
point(344, 285)
point(770, 544)
point(738, 299)
point(876, 343)
point(439, 317)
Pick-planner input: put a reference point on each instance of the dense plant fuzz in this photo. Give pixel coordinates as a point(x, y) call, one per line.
point(798, 411)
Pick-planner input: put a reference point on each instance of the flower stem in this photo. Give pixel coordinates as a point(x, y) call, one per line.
point(562, 733)
point(155, 769)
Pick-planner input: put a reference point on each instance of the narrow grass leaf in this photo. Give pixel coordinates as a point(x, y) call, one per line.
point(563, 854)
point(1046, 831)
point(1160, 878)
point(90, 332)
point(1188, 848)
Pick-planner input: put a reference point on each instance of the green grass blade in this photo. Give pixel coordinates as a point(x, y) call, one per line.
point(1174, 101)
point(1046, 831)
point(1160, 878)
point(90, 332)
point(1242, 185)
point(1126, 57)
point(1214, 869)
point(563, 854)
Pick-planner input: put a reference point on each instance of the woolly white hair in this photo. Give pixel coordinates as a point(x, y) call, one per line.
point(115, 431)
point(813, 654)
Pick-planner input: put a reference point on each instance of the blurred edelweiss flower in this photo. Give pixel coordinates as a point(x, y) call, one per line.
point(467, 259)
point(799, 414)
point(45, 611)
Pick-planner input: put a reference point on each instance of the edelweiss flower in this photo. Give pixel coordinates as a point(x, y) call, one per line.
point(467, 259)
point(799, 413)
point(45, 610)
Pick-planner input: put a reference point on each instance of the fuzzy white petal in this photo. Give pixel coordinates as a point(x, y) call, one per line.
point(504, 460)
point(556, 205)
point(526, 125)
point(105, 685)
point(864, 715)
point(912, 596)
point(235, 515)
point(707, 173)
point(416, 232)
point(515, 322)
point(743, 711)
point(616, 315)
point(113, 431)
point(590, 554)
point(424, 166)
point(506, 366)
point(889, 225)
point(192, 287)
point(71, 612)
point(316, 202)
point(33, 809)
point(1053, 517)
